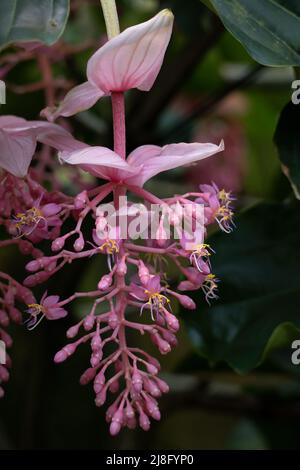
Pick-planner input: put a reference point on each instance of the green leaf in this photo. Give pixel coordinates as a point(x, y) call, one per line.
point(268, 29)
point(287, 140)
point(32, 20)
point(258, 265)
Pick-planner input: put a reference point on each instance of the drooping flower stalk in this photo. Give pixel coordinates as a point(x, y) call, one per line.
point(135, 292)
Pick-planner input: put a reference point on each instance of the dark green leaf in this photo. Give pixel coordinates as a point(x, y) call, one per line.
point(269, 29)
point(287, 139)
point(258, 265)
point(32, 20)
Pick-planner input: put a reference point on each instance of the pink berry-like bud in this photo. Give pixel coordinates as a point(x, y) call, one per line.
point(152, 408)
point(144, 421)
point(58, 244)
point(15, 315)
point(171, 320)
point(89, 322)
point(88, 376)
point(79, 243)
point(131, 423)
point(96, 358)
point(116, 422)
point(80, 200)
point(73, 331)
point(151, 387)
point(99, 382)
point(35, 279)
point(162, 385)
point(4, 374)
point(113, 320)
point(137, 382)
point(101, 398)
point(129, 412)
point(114, 386)
point(64, 353)
point(4, 319)
point(25, 247)
point(152, 369)
point(143, 272)
point(169, 337)
point(105, 282)
point(96, 343)
point(186, 301)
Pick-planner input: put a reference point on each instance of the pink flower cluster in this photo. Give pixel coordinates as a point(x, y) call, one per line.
point(133, 294)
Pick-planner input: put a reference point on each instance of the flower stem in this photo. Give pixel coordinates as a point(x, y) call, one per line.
point(111, 17)
point(118, 109)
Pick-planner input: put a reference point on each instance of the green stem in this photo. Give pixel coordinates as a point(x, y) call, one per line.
point(111, 17)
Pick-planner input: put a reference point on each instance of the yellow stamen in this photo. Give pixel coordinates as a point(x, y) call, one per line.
point(110, 246)
point(38, 307)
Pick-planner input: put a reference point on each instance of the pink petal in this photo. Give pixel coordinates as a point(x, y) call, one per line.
point(167, 158)
point(99, 161)
point(56, 313)
point(78, 99)
point(16, 152)
point(55, 136)
point(50, 301)
point(133, 58)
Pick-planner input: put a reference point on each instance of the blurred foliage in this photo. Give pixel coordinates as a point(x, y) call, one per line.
point(32, 20)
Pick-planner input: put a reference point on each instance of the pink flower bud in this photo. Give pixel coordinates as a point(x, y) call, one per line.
point(1, 392)
point(186, 301)
point(163, 346)
point(73, 331)
point(99, 382)
point(144, 421)
point(88, 376)
point(161, 235)
point(96, 358)
point(15, 315)
point(114, 386)
point(25, 247)
point(101, 398)
point(89, 322)
point(151, 387)
point(111, 411)
point(65, 352)
point(79, 243)
point(105, 282)
point(6, 338)
point(162, 385)
point(4, 374)
point(131, 423)
point(96, 343)
point(80, 200)
point(171, 320)
point(169, 337)
point(35, 279)
point(137, 382)
point(58, 244)
point(152, 369)
point(143, 272)
point(129, 412)
point(116, 422)
point(152, 408)
point(4, 319)
point(113, 320)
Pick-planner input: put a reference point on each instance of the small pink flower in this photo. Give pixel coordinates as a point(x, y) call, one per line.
point(48, 307)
